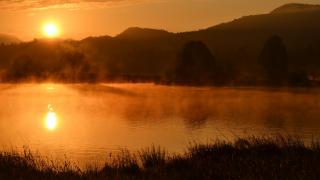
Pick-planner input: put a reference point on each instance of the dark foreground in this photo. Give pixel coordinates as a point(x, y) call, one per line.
point(250, 158)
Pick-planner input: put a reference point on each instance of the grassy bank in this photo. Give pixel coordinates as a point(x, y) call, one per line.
point(249, 158)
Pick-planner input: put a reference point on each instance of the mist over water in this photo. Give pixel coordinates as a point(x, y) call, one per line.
point(87, 122)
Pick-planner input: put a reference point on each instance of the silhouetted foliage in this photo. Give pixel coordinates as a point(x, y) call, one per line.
point(196, 65)
point(274, 61)
point(299, 79)
point(50, 64)
point(74, 67)
point(24, 68)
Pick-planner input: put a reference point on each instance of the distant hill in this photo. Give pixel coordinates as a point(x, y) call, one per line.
point(142, 33)
point(8, 39)
point(295, 7)
point(242, 39)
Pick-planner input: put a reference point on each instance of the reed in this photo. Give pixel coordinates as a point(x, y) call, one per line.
point(276, 157)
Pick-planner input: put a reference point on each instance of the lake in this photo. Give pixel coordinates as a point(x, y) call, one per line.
point(86, 123)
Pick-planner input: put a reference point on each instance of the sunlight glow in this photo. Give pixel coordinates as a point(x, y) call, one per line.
point(50, 30)
point(51, 119)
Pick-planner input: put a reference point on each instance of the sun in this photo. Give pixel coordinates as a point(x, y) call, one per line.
point(50, 30)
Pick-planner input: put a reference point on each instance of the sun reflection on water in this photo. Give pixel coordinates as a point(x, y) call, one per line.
point(51, 119)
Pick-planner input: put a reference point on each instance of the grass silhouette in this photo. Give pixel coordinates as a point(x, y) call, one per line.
point(276, 157)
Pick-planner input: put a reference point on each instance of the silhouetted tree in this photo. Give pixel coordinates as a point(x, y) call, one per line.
point(24, 67)
point(75, 67)
point(274, 61)
point(298, 79)
point(196, 64)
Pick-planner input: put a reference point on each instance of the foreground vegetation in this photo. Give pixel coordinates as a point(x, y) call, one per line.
point(250, 158)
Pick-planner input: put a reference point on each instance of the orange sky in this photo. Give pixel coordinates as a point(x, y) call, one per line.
point(81, 18)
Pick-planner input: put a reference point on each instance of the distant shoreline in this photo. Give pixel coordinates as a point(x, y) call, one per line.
point(165, 84)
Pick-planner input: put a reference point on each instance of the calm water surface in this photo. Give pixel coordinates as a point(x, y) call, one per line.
point(87, 122)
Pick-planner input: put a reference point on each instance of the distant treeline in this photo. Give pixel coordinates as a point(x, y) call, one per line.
point(196, 65)
point(193, 63)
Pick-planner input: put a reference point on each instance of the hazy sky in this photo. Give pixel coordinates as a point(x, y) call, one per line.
point(81, 18)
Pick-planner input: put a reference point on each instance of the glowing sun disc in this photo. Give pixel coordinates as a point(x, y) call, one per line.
point(50, 30)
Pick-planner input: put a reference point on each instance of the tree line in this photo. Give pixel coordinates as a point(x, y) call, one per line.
point(192, 63)
point(197, 65)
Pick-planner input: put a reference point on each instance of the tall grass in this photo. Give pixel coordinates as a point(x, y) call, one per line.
point(275, 157)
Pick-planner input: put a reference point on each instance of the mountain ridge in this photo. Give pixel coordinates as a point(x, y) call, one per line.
point(282, 12)
point(295, 7)
point(138, 32)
